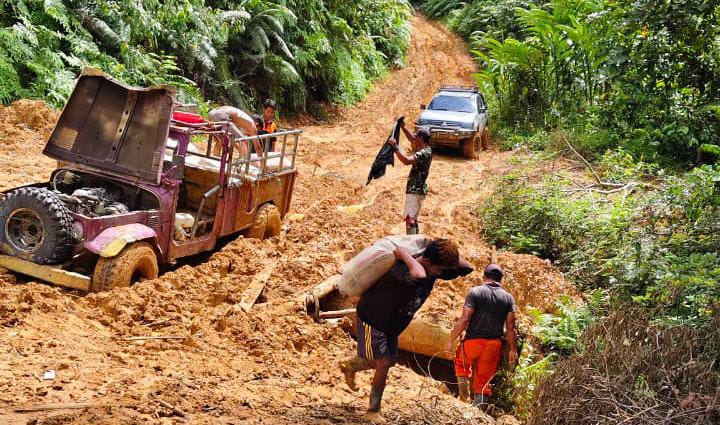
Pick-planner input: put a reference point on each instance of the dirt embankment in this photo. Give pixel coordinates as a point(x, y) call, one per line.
point(273, 364)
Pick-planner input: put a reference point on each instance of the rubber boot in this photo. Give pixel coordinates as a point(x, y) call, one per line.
point(350, 366)
point(463, 388)
point(411, 229)
point(373, 413)
point(482, 402)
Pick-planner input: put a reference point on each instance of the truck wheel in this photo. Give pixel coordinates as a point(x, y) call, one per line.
point(36, 226)
point(134, 263)
point(469, 148)
point(274, 221)
point(257, 229)
point(485, 139)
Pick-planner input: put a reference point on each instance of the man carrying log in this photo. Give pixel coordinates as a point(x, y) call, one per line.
point(386, 308)
point(488, 308)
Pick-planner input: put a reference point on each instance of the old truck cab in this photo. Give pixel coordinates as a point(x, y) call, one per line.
point(137, 186)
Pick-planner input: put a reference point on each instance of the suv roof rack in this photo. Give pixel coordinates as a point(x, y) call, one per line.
point(449, 87)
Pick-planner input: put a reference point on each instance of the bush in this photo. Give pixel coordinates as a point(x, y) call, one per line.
point(633, 372)
point(660, 250)
point(231, 51)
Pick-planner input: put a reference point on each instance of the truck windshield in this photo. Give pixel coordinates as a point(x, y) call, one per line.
point(452, 103)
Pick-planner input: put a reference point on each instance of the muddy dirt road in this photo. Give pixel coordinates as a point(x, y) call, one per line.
point(272, 364)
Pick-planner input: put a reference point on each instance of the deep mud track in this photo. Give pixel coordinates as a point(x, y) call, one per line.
point(271, 364)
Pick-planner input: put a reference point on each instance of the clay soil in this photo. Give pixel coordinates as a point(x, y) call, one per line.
point(272, 364)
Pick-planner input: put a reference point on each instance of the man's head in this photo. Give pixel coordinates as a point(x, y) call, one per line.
point(423, 134)
point(439, 255)
point(493, 272)
point(258, 121)
point(269, 107)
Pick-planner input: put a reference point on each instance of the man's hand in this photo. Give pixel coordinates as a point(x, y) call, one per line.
point(512, 357)
point(393, 142)
point(401, 253)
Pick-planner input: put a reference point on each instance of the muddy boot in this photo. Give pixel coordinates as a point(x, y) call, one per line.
point(463, 388)
point(482, 402)
point(373, 413)
point(410, 230)
point(350, 366)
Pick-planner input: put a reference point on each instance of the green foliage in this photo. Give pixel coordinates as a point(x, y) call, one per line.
point(645, 74)
point(560, 332)
point(240, 51)
point(661, 250)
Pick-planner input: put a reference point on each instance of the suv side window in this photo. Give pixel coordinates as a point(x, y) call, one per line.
point(480, 103)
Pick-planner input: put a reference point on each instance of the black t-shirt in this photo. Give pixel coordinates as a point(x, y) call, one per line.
point(491, 304)
point(390, 304)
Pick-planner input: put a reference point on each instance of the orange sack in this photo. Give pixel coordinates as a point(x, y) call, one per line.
point(483, 356)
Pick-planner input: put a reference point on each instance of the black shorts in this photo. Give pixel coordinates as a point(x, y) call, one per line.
point(375, 344)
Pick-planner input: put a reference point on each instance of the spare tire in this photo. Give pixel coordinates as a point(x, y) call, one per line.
point(36, 226)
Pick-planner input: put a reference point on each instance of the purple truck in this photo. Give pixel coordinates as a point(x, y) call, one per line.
point(137, 186)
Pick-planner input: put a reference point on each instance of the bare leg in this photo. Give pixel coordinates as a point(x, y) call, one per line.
point(382, 367)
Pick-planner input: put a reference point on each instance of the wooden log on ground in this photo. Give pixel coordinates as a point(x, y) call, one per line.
point(424, 337)
point(326, 287)
point(337, 314)
point(251, 294)
point(52, 406)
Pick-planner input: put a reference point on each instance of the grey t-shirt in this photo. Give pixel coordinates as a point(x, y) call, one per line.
point(491, 304)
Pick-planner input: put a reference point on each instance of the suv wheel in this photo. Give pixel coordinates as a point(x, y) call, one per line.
point(134, 263)
point(468, 146)
point(36, 226)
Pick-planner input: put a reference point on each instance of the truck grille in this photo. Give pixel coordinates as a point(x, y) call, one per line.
point(154, 222)
point(441, 123)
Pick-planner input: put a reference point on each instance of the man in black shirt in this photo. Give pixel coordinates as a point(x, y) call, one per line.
point(387, 308)
point(488, 315)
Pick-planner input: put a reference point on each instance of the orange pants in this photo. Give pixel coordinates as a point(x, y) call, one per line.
point(483, 356)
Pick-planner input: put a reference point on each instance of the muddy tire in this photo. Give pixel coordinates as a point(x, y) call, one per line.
point(274, 221)
point(485, 139)
point(134, 263)
point(468, 146)
point(36, 226)
point(266, 223)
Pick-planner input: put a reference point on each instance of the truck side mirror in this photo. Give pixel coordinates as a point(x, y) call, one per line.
point(423, 106)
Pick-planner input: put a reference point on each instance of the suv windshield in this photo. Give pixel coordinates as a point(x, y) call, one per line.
point(452, 103)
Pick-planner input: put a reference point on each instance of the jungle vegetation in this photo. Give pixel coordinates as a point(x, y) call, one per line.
point(298, 52)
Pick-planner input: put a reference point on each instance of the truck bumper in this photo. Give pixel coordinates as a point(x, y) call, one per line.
point(50, 274)
point(449, 137)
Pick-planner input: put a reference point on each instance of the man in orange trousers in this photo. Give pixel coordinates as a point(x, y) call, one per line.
point(488, 315)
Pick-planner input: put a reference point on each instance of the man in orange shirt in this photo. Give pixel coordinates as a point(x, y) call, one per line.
point(269, 123)
point(488, 315)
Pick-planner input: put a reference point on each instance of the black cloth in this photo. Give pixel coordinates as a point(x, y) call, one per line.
point(390, 304)
point(492, 304)
point(386, 155)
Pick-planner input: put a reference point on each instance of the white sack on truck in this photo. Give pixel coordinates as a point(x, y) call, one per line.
point(363, 270)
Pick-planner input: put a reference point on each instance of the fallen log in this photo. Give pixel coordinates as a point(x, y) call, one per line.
point(52, 406)
point(426, 338)
point(143, 338)
point(337, 314)
point(251, 294)
point(174, 409)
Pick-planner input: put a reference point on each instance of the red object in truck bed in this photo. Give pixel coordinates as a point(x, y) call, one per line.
point(187, 117)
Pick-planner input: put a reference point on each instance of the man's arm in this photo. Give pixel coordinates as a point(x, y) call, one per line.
point(460, 326)
point(407, 160)
point(415, 269)
point(511, 335)
point(411, 137)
